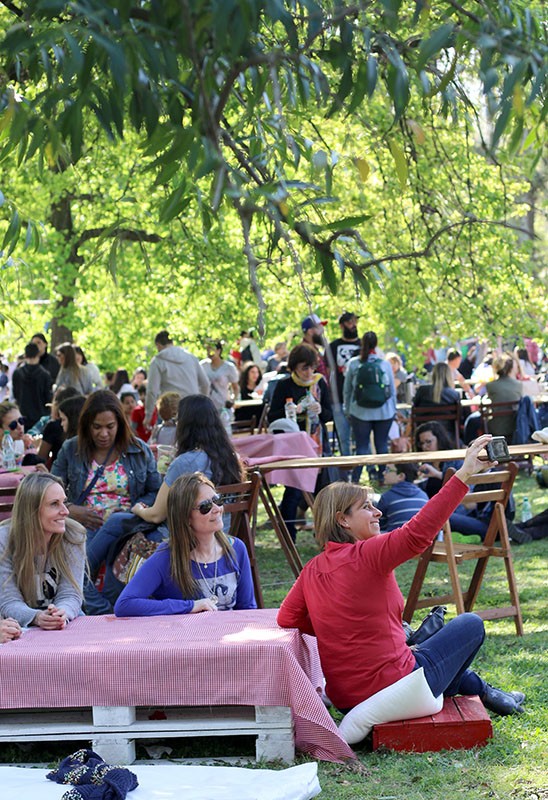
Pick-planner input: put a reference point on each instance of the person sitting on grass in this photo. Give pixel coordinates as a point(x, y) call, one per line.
point(403, 499)
point(349, 599)
point(200, 568)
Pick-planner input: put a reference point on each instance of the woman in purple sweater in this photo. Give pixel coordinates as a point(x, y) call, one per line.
point(200, 569)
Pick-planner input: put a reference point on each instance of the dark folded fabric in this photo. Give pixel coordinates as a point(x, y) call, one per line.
point(92, 779)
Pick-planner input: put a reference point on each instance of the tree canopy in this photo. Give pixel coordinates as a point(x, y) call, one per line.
point(375, 148)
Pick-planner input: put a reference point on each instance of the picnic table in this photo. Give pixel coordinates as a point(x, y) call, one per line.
point(116, 680)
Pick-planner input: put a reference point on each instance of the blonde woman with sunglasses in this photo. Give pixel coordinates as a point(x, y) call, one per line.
point(199, 568)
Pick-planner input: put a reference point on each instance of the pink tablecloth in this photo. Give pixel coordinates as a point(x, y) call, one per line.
point(265, 447)
point(9, 480)
point(228, 658)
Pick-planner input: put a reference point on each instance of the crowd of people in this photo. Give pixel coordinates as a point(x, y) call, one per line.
point(94, 445)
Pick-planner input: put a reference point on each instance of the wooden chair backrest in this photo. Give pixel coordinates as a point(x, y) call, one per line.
point(494, 486)
point(241, 503)
point(263, 419)
point(440, 413)
point(242, 497)
point(244, 425)
point(490, 411)
point(6, 505)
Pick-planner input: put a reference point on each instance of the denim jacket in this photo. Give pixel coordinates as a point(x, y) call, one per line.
point(138, 462)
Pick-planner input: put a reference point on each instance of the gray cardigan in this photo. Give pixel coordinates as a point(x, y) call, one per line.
point(12, 603)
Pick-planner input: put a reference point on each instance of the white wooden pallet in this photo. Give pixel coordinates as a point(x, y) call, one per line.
point(114, 729)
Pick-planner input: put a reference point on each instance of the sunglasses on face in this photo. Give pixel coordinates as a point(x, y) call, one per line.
point(15, 422)
point(206, 505)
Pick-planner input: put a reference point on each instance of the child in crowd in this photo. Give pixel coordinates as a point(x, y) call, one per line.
point(404, 499)
point(138, 415)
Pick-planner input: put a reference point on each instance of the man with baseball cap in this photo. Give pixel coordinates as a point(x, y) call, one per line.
point(341, 351)
point(313, 334)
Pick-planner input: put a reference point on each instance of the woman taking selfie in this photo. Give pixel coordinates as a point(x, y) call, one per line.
point(42, 557)
point(361, 640)
point(200, 568)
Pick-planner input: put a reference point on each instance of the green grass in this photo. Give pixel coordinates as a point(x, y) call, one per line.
point(512, 766)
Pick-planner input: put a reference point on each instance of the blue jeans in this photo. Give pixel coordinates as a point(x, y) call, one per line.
point(446, 656)
point(97, 548)
point(288, 508)
point(468, 524)
point(342, 426)
point(362, 433)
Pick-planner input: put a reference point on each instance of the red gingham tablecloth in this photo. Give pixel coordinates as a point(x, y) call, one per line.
point(264, 447)
point(224, 658)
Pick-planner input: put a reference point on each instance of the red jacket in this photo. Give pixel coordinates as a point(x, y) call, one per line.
point(348, 597)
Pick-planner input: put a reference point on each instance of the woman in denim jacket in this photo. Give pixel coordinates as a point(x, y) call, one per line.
point(106, 470)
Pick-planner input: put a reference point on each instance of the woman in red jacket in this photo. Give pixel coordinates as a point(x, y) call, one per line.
point(349, 599)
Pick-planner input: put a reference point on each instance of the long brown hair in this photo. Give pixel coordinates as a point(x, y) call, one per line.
point(181, 499)
point(26, 536)
point(96, 403)
point(199, 427)
point(336, 498)
point(69, 360)
point(368, 344)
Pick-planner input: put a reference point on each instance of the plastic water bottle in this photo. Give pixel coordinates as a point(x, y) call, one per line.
point(8, 451)
point(313, 417)
point(526, 510)
point(290, 409)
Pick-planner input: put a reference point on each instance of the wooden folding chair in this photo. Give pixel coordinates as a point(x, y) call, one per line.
point(244, 425)
point(497, 417)
point(446, 415)
point(263, 419)
point(7, 496)
point(241, 503)
point(495, 487)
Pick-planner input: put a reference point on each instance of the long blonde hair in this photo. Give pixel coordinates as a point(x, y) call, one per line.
point(26, 536)
point(182, 496)
point(442, 378)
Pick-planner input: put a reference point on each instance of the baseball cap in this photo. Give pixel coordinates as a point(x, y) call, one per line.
point(346, 316)
point(312, 322)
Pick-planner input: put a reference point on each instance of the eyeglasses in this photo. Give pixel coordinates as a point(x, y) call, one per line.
point(206, 505)
point(15, 422)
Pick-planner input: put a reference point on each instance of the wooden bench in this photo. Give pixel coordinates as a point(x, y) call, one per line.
point(462, 723)
point(113, 730)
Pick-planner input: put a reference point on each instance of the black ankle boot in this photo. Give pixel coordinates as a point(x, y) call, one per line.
point(501, 703)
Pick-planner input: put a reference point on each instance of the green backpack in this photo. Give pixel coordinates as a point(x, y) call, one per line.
point(372, 388)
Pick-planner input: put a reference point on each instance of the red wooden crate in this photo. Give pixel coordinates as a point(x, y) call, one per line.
point(463, 722)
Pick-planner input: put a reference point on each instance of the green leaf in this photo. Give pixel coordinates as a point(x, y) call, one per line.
point(400, 161)
point(12, 234)
point(372, 65)
point(360, 87)
point(324, 262)
point(362, 282)
point(345, 222)
point(175, 203)
point(440, 39)
point(501, 122)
